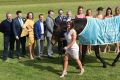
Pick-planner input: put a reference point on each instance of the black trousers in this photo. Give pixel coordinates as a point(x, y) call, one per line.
point(97, 53)
point(8, 46)
point(18, 48)
point(23, 45)
point(11, 48)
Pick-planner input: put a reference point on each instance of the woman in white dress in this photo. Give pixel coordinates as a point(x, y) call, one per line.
point(72, 48)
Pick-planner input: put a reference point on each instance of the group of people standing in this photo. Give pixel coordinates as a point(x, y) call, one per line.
point(21, 30)
point(100, 15)
point(11, 30)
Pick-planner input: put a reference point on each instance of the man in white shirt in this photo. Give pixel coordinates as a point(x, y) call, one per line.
point(68, 16)
point(39, 31)
point(18, 23)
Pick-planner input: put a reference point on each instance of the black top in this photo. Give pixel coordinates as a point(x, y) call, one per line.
point(7, 27)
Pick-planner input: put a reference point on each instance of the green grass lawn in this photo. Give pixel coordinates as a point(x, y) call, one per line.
point(49, 69)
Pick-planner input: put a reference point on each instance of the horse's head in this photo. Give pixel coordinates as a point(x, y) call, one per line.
point(79, 26)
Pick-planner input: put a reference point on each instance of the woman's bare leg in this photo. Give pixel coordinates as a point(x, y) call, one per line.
point(33, 50)
point(79, 64)
point(109, 48)
point(30, 51)
point(89, 49)
point(105, 49)
point(65, 65)
point(117, 48)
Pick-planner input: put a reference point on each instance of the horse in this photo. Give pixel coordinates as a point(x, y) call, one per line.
point(79, 27)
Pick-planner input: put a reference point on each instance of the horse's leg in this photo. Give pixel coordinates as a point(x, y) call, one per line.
point(116, 59)
point(97, 53)
point(84, 50)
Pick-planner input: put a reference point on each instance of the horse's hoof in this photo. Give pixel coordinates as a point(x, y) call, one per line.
point(104, 66)
point(113, 64)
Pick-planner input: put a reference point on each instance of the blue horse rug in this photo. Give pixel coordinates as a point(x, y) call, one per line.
point(101, 32)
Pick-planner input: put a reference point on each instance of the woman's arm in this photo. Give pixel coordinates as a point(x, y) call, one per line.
point(25, 25)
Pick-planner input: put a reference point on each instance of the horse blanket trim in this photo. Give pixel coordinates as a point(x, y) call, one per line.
point(101, 32)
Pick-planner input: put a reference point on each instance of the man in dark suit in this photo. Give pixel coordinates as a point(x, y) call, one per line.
point(18, 23)
point(61, 43)
point(7, 30)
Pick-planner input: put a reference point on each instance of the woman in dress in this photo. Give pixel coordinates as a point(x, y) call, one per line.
point(117, 13)
point(89, 15)
point(80, 14)
point(72, 48)
point(99, 14)
point(28, 26)
point(108, 15)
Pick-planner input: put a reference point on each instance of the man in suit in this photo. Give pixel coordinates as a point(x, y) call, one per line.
point(49, 32)
point(60, 17)
point(39, 32)
point(61, 43)
point(68, 16)
point(18, 23)
point(7, 30)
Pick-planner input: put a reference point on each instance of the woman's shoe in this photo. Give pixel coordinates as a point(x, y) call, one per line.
point(81, 72)
point(31, 57)
point(63, 74)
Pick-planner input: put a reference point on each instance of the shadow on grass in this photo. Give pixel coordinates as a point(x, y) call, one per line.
point(42, 67)
point(114, 55)
point(48, 64)
point(1, 51)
